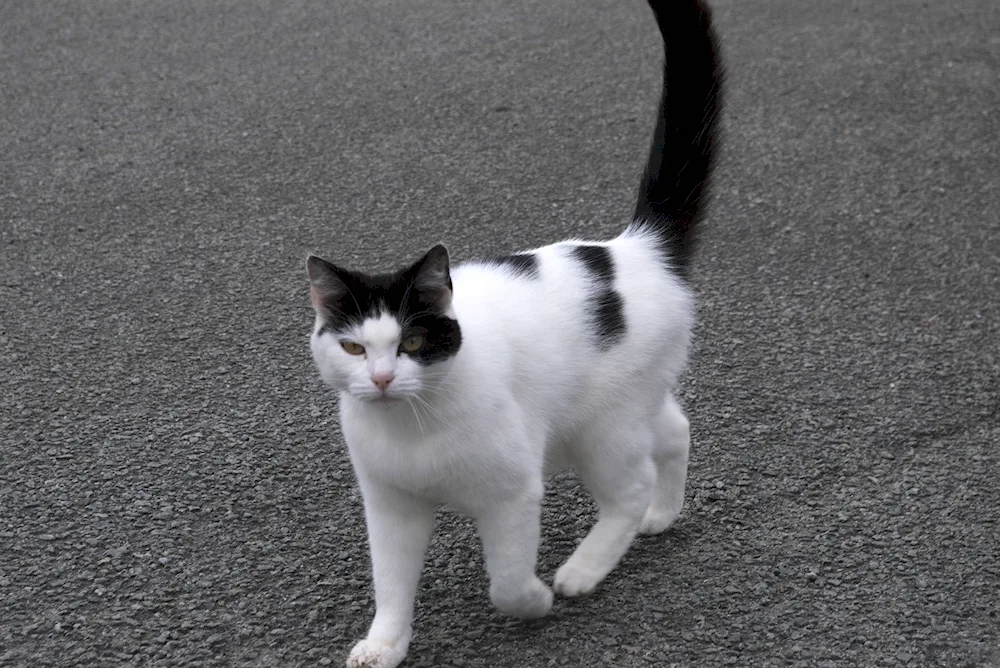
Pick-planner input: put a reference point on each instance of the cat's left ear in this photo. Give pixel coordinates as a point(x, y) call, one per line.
point(432, 276)
point(326, 284)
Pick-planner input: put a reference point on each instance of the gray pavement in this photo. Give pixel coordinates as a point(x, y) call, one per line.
point(173, 486)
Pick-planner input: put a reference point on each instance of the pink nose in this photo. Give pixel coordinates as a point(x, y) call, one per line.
point(382, 380)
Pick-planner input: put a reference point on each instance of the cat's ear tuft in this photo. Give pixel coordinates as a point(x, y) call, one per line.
point(326, 284)
point(432, 276)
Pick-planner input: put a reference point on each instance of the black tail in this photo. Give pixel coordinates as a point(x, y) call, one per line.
point(675, 183)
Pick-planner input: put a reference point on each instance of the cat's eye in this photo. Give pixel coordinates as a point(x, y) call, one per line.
point(412, 344)
point(352, 347)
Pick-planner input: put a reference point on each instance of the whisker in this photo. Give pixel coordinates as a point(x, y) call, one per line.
point(410, 317)
point(416, 414)
point(406, 294)
point(433, 411)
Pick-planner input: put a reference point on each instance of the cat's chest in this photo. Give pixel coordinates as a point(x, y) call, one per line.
point(420, 465)
point(461, 467)
point(413, 459)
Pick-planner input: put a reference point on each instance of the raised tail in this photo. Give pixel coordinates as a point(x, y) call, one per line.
point(676, 179)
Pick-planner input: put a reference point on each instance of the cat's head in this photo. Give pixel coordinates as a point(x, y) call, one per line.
point(383, 337)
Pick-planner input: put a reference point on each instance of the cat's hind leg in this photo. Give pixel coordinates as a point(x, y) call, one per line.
point(670, 452)
point(616, 465)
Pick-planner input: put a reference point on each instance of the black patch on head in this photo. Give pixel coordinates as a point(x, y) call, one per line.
point(521, 264)
point(605, 305)
point(417, 297)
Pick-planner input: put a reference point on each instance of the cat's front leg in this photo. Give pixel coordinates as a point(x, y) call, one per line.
point(399, 529)
point(509, 530)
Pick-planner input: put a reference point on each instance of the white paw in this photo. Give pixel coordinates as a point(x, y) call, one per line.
point(533, 602)
point(376, 654)
point(574, 579)
point(657, 521)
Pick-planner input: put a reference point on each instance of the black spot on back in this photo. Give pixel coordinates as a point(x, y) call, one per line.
point(605, 305)
point(610, 320)
point(598, 261)
point(522, 264)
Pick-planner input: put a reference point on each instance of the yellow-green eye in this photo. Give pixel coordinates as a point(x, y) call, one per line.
point(352, 347)
point(412, 344)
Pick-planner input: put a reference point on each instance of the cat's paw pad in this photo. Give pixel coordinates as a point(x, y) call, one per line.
point(376, 654)
point(574, 579)
point(657, 521)
point(533, 602)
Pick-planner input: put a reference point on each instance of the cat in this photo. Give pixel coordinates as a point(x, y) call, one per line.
point(466, 385)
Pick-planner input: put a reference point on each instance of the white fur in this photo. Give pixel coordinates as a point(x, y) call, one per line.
point(529, 392)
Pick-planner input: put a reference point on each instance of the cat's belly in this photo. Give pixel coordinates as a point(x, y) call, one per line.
point(559, 455)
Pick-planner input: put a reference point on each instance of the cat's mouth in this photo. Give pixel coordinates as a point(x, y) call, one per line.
point(380, 398)
point(373, 396)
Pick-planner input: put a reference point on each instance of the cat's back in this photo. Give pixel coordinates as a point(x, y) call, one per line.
point(578, 323)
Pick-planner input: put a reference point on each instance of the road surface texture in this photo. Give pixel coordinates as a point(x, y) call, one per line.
point(174, 490)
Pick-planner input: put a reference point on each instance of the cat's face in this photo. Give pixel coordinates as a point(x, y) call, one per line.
point(384, 337)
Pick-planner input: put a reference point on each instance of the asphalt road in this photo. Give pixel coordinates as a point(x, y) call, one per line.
point(174, 490)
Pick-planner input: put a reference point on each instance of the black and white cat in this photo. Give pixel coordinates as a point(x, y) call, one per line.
point(466, 385)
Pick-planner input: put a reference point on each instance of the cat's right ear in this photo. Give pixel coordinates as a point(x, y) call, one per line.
point(432, 276)
point(326, 285)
